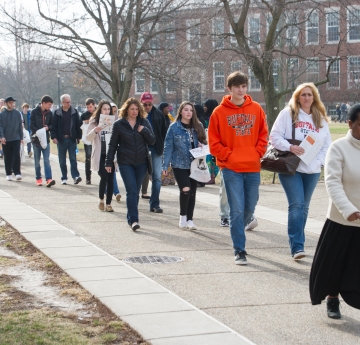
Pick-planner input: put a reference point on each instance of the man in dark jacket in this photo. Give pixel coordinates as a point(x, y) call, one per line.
point(66, 133)
point(85, 117)
point(157, 122)
point(11, 136)
point(41, 117)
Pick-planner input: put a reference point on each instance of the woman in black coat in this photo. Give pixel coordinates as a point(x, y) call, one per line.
point(130, 139)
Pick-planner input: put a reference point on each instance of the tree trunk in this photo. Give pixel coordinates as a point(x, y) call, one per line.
point(272, 105)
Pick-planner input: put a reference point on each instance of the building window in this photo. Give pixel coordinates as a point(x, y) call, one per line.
point(170, 36)
point(193, 34)
point(276, 66)
point(292, 33)
point(235, 66)
point(332, 25)
point(334, 74)
point(219, 76)
point(139, 81)
point(354, 24)
point(269, 19)
point(254, 84)
point(331, 110)
point(354, 72)
point(232, 36)
point(312, 28)
point(254, 30)
point(312, 70)
point(218, 33)
point(154, 86)
point(195, 93)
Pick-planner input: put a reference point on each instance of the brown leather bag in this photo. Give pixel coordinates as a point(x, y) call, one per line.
point(281, 162)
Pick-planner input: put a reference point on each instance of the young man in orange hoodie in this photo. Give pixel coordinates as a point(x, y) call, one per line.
point(238, 137)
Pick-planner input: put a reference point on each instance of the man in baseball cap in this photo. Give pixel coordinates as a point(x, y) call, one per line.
point(157, 122)
point(11, 136)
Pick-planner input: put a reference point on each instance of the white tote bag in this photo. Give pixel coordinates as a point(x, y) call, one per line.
point(84, 128)
point(26, 136)
point(41, 134)
point(199, 170)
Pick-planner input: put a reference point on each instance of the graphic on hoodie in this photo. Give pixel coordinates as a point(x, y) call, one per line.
point(242, 123)
point(306, 127)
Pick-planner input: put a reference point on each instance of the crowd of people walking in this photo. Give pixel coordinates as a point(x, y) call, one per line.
point(144, 142)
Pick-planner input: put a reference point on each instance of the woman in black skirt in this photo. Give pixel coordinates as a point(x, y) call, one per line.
point(336, 266)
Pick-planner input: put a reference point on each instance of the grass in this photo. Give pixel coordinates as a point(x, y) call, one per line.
point(40, 327)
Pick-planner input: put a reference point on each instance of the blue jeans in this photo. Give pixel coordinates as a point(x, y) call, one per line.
point(242, 190)
point(299, 189)
point(37, 155)
point(224, 204)
point(67, 145)
point(156, 178)
point(132, 176)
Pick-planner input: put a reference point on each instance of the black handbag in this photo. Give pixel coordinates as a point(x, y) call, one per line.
point(149, 163)
point(281, 162)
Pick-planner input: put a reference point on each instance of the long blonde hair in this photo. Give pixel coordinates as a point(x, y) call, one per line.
point(318, 110)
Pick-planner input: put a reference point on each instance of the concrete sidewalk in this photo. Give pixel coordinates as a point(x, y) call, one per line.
point(266, 302)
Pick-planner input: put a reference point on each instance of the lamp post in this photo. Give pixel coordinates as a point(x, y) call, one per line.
point(58, 77)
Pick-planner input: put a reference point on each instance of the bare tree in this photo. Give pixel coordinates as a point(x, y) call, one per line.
point(273, 36)
point(104, 39)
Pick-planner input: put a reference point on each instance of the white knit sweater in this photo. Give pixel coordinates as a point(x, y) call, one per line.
point(342, 177)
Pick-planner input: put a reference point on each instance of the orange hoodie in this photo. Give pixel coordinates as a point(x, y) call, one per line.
point(238, 135)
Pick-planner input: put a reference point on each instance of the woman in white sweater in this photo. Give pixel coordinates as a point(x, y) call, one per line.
point(306, 110)
point(336, 266)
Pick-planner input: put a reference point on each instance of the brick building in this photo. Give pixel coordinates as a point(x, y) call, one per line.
point(192, 62)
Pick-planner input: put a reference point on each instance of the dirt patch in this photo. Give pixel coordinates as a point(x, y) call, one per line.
point(39, 302)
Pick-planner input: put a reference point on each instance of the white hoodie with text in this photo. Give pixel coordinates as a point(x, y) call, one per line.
point(282, 130)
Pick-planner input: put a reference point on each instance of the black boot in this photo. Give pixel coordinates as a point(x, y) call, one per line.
point(333, 310)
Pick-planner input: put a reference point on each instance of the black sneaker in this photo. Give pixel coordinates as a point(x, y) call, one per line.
point(156, 210)
point(333, 310)
point(88, 181)
point(224, 222)
point(240, 258)
point(77, 180)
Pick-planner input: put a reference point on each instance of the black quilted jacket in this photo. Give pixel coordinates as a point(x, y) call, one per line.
point(130, 145)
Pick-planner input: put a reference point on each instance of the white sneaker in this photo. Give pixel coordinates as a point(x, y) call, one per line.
point(9, 177)
point(191, 225)
point(118, 197)
point(18, 177)
point(182, 222)
point(252, 225)
point(64, 182)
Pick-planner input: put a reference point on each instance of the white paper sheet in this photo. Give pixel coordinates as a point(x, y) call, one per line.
point(200, 151)
point(312, 145)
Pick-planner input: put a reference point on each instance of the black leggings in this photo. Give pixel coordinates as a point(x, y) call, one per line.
point(187, 199)
point(106, 180)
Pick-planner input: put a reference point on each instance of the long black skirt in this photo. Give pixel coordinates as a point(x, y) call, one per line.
point(336, 266)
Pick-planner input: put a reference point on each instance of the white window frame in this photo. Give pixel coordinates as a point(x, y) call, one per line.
point(308, 15)
point(349, 13)
point(251, 76)
point(139, 72)
point(254, 16)
point(233, 68)
point(215, 76)
point(336, 12)
point(328, 86)
point(232, 38)
point(170, 37)
point(191, 37)
point(309, 63)
point(353, 82)
point(218, 39)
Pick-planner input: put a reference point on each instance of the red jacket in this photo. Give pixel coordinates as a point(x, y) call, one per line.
point(238, 136)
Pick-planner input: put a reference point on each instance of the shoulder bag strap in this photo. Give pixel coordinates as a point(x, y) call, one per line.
point(293, 124)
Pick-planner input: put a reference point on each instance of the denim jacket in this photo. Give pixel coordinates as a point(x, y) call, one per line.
point(177, 146)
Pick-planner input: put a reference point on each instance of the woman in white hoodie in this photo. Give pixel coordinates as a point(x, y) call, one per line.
point(336, 266)
point(306, 110)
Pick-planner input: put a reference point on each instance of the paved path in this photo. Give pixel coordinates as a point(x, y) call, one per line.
point(206, 299)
